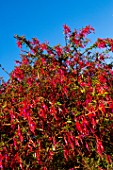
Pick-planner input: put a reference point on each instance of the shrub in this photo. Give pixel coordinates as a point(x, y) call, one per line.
point(57, 106)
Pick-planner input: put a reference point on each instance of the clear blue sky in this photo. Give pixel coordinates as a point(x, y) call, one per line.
point(44, 19)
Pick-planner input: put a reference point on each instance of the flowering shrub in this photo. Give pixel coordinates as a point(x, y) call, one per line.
point(57, 107)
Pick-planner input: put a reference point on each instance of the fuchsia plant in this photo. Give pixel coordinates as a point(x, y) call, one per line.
point(57, 107)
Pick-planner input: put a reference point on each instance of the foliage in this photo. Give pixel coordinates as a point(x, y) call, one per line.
point(57, 107)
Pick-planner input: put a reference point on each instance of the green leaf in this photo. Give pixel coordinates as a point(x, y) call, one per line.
point(58, 103)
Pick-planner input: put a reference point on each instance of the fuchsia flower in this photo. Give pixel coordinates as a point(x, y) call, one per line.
point(87, 30)
point(78, 126)
point(19, 44)
point(35, 41)
point(100, 148)
point(66, 29)
point(43, 46)
point(25, 60)
point(58, 50)
point(101, 43)
point(20, 134)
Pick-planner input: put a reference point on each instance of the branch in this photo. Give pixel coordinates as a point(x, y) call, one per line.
point(4, 70)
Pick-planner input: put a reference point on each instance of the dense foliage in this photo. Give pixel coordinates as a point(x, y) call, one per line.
point(56, 110)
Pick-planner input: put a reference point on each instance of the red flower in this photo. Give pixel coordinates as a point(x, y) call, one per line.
point(32, 125)
point(100, 148)
point(66, 29)
point(58, 50)
point(75, 41)
point(101, 43)
point(19, 134)
point(19, 44)
point(25, 60)
point(108, 159)
point(35, 41)
point(66, 154)
point(43, 46)
point(86, 30)
point(78, 126)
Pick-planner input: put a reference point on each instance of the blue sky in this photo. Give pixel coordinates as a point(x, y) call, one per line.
point(44, 20)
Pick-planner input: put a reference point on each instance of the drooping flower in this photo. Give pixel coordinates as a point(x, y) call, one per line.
point(58, 50)
point(66, 29)
point(19, 44)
